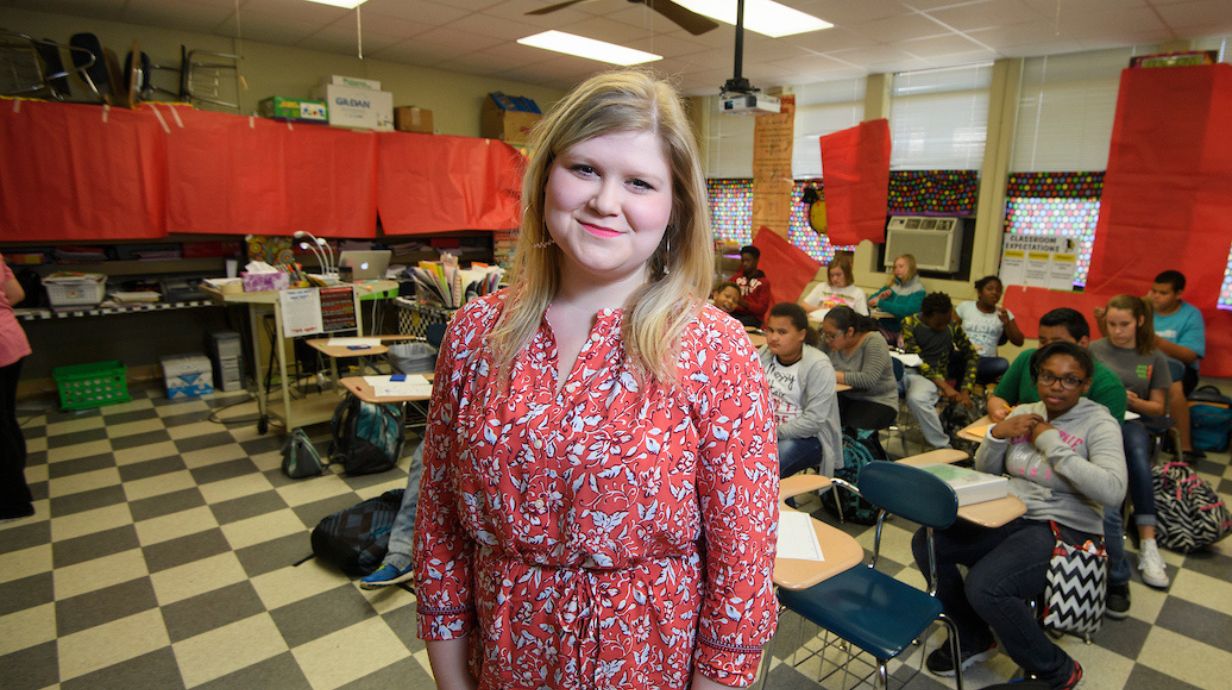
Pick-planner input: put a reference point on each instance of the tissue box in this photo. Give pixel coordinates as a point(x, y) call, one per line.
point(187, 376)
point(260, 282)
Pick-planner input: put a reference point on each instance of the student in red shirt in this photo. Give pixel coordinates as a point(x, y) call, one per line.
point(754, 288)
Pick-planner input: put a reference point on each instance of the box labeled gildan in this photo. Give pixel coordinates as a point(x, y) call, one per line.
point(358, 108)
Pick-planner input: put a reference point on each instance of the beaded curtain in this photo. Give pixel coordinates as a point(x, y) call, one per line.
point(1056, 204)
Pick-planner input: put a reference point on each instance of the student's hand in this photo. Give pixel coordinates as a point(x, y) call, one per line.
point(1003, 315)
point(1039, 429)
point(998, 409)
point(1132, 397)
point(840, 377)
point(964, 398)
point(1019, 425)
point(1100, 312)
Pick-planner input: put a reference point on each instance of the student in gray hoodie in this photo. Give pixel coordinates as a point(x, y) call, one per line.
point(1065, 461)
point(801, 381)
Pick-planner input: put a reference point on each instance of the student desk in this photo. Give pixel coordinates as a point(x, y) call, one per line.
point(335, 352)
point(987, 513)
point(941, 456)
point(358, 387)
point(840, 550)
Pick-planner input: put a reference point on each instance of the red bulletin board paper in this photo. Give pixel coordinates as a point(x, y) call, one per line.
point(1167, 198)
point(330, 181)
point(225, 175)
point(787, 267)
point(856, 175)
point(435, 183)
point(1029, 304)
point(80, 172)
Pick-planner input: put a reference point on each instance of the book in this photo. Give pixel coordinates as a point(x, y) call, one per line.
point(971, 486)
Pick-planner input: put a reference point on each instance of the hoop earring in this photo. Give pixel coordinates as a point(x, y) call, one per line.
point(667, 254)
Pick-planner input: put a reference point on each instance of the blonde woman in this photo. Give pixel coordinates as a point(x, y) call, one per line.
point(902, 296)
point(596, 423)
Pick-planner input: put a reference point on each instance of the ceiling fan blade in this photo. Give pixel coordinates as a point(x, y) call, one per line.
point(552, 8)
point(686, 19)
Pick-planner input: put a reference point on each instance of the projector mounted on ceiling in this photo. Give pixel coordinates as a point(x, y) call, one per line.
point(738, 96)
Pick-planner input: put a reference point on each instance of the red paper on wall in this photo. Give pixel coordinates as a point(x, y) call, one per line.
point(331, 181)
point(787, 267)
point(80, 172)
point(1167, 198)
point(856, 177)
point(436, 183)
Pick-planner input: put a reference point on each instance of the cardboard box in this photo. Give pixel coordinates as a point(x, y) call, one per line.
point(358, 108)
point(510, 126)
point(187, 376)
point(355, 82)
point(970, 485)
point(296, 109)
point(410, 118)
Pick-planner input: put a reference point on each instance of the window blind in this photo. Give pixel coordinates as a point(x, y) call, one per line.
point(939, 118)
point(821, 109)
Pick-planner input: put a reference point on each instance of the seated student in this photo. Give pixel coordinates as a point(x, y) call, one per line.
point(861, 359)
point(1180, 333)
point(1064, 325)
point(837, 291)
point(1064, 459)
point(726, 296)
point(902, 296)
point(754, 288)
point(933, 336)
point(396, 567)
point(801, 381)
point(1129, 351)
point(985, 323)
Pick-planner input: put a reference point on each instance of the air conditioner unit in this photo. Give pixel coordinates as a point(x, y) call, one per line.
point(936, 243)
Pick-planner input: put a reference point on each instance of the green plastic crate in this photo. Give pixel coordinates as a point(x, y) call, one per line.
point(85, 386)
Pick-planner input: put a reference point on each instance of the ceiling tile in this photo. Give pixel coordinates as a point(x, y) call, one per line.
point(297, 10)
point(869, 56)
point(1049, 7)
point(605, 29)
point(102, 9)
point(517, 9)
point(838, 38)
point(271, 27)
point(1214, 15)
point(446, 37)
point(850, 12)
point(421, 12)
point(478, 23)
point(901, 28)
point(416, 52)
point(666, 46)
point(183, 15)
point(941, 45)
point(987, 14)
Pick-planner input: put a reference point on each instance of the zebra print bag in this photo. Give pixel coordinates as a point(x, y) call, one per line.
point(1190, 514)
point(1076, 587)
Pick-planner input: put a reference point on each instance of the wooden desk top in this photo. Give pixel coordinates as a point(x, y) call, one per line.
point(360, 389)
point(322, 345)
point(993, 513)
point(941, 456)
point(798, 484)
point(840, 550)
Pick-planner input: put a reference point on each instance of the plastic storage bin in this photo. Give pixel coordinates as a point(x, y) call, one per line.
point(187, 376)
point(86, 386)
point(75, 289)
point(412, 358)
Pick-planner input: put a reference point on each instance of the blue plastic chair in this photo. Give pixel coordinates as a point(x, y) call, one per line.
point(868, 608)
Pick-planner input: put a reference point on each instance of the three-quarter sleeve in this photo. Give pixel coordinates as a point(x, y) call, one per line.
point(443, 582)
point(737, 486)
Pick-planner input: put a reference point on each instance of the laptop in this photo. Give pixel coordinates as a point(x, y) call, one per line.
point(369, 265)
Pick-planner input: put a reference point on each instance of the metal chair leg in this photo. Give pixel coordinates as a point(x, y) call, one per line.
point(955, 650)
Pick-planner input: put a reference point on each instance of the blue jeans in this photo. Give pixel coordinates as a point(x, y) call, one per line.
point(989, 369)
point(1007, 566)
point(796, 454)
point(402, 534)
point(1138, 447)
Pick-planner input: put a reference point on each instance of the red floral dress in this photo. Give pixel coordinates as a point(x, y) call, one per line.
point(613, 535)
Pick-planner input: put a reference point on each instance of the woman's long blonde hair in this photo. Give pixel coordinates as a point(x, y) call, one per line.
point(680, 269)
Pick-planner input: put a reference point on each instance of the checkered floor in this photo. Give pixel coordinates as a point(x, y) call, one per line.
point(161, 557)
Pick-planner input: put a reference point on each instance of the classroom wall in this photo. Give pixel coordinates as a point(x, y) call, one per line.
point(277, 70)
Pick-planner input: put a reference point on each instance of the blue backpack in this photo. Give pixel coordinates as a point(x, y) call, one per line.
point(1210, 418)
point(366, 437)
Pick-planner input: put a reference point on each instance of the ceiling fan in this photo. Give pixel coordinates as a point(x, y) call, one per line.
point(686, 19)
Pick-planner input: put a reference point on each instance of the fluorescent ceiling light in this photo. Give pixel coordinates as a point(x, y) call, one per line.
point(346, 4)
point(763, 16)
point(588, 48)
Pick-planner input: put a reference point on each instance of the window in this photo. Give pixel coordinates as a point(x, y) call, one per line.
point(731, 218)
point(730, 143)
point(822, 109)
point(939, 118)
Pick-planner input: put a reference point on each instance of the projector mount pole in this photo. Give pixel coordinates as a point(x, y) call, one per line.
point(738, 84)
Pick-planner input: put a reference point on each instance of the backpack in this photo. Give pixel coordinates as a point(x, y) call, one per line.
point(355, 539)
point(1189, 514)
point(858, 451)
point(300, 457)
point(1210, 421)
point(366, 437)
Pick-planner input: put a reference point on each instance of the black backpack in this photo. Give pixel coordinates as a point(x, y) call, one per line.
point(858, 451)
point(355, 539)
point(299, 456)
point(366, 437)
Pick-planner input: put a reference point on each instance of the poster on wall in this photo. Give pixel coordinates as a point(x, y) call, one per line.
point(1031, 261)
point(773, 137)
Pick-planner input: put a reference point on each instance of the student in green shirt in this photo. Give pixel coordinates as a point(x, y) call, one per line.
point(1067, 325)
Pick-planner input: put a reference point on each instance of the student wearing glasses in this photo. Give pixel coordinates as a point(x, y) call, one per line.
point(1064, 460)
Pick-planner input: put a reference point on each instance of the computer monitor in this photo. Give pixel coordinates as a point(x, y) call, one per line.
point(369, 265)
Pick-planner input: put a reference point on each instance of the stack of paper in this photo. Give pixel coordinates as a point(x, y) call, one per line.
point(970, 485)
point(354, 342)
point(797, 538)
point(414, 386)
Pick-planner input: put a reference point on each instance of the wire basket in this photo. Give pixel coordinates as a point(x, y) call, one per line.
point(86, 386)
point(414, 317)
point(83, 289)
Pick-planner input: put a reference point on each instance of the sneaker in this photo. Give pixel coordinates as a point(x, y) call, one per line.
point(1116, 606)
point(1151, 565)
point(942, 664)
point(385, 576)
point(1074, 680)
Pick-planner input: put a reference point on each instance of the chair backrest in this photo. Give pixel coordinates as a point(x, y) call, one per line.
point(899, 370)
point(910, 492)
